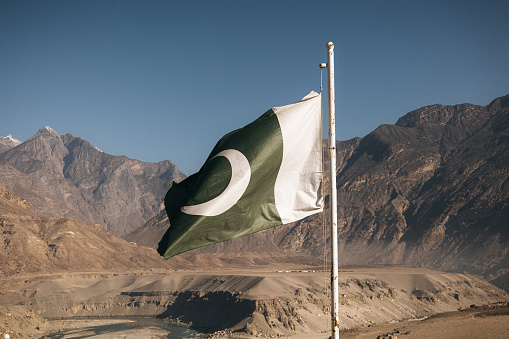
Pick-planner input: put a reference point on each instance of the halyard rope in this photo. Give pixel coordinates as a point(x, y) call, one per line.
point(324, 231)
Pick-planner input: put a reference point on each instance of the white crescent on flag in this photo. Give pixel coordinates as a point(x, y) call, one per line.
point(241, 175)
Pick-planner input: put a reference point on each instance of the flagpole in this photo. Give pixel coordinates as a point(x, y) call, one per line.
point(333, 193)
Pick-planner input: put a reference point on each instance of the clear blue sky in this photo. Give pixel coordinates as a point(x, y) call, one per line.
point(157, 80)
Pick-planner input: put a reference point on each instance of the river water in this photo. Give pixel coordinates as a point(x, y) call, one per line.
point(125, 327)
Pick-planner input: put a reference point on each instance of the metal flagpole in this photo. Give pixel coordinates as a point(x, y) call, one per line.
point(333, 193)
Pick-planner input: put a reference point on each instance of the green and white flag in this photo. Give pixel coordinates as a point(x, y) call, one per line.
point(265, 174)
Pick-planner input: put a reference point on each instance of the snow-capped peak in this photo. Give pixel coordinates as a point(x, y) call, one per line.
point(10, 140)
point(47, 129)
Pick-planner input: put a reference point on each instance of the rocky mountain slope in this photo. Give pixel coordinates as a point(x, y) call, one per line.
point(65, 176)
point(31, 244)
point(430, 191)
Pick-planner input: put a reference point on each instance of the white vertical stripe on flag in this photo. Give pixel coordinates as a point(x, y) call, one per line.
point(297, 189)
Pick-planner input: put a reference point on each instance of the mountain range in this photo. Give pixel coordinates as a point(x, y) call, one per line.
point(65, 176)
point(431, 191)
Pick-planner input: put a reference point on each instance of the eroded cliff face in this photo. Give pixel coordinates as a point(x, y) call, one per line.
point(65, 176)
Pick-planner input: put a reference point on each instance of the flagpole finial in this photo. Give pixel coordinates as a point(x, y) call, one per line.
point(330, 46)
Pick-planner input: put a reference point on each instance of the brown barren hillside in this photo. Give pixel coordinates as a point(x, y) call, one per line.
point(32, 244)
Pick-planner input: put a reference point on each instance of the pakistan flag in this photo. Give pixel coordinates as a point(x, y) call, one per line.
point(265, 174)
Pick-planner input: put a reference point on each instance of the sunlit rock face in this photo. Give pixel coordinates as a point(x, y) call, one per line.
point(65, 176)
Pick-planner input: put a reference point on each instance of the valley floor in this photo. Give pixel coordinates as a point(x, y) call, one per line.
point(262, 302)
